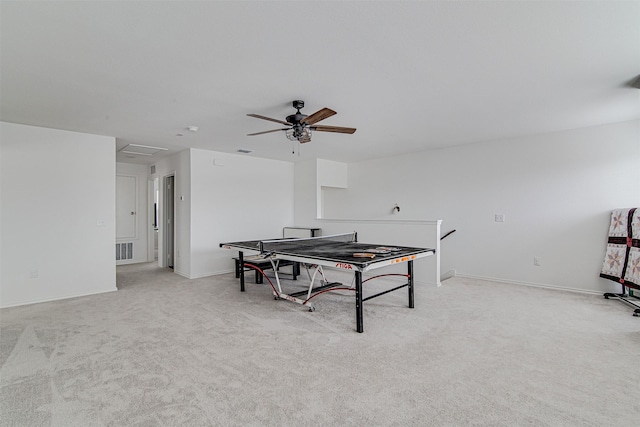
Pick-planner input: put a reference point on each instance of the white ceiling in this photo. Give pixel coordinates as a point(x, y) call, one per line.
point(410, 76)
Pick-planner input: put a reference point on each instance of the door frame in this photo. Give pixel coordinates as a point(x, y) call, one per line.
point(152, 184)
point(167, 237)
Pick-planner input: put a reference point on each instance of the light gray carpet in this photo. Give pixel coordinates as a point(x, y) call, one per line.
point(167, 351)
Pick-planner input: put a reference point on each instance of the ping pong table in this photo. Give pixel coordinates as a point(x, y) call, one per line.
point(340, 251)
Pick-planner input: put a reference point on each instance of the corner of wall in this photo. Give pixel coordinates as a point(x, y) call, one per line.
point(329, 174)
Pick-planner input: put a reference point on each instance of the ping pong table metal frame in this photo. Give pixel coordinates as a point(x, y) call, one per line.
point(317, 264)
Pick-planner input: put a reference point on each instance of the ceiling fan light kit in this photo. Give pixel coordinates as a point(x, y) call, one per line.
point(300, 126)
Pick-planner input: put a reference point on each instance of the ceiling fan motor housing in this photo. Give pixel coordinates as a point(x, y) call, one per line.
point(295, 118)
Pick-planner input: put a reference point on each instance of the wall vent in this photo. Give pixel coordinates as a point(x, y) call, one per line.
point(124, 251)
point(153, 169)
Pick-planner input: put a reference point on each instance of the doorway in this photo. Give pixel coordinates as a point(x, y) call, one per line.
point(154, 188)
point(168, 221)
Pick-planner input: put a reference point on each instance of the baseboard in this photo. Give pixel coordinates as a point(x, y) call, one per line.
point(531, 284)
point(214, 273)
point(448, 275)
point(58, 298)
point(180, 273)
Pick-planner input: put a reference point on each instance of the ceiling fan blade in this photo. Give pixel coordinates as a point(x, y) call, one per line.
point(258, 116)
point(266, 131)
point(338, 129)
point(317, 116)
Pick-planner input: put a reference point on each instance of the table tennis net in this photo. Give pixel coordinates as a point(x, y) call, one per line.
point(290, 245)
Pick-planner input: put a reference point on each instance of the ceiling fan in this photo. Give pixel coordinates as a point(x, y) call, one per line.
point(300, 126)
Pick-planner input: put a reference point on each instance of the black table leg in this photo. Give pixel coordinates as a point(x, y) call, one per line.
point(359, 325)
point(410, 272)
point(241, 262)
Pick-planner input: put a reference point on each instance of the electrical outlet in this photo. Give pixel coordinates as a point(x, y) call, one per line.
point(536, 261)
point(499, 218)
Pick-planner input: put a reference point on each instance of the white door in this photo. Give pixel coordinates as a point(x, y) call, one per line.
point(126, 224)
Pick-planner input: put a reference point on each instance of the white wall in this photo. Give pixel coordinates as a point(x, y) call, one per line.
point(235, 197)
point(144, 224)
point(312, 179)
point(329, 175)
point(221, 197)
point(555, 190)
point(57, 187)
point(306, 189)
